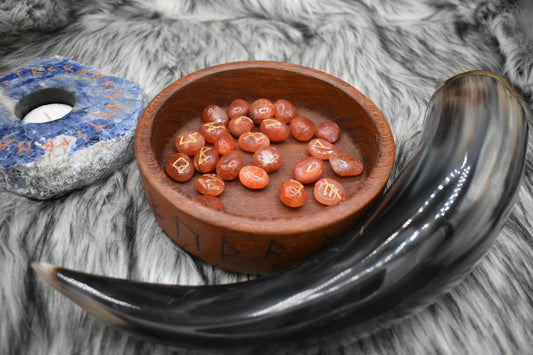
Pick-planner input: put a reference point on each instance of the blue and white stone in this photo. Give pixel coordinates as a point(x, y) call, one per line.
point(45, 160)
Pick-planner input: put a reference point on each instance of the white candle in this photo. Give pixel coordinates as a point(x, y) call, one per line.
point(47, 113)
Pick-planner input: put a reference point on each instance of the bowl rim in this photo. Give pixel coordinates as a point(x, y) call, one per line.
point(156, 177)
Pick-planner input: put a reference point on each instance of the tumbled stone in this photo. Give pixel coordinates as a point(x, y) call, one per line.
point(329, 192)
point(292, 193)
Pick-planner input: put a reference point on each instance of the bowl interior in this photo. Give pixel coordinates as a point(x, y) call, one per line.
point(317, 96)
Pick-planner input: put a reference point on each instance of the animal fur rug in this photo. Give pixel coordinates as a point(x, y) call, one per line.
point(395, 52)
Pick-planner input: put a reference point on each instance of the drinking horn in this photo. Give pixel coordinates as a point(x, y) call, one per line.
point(435, 221)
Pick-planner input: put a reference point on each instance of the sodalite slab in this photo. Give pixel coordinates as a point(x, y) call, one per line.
point(45, 160)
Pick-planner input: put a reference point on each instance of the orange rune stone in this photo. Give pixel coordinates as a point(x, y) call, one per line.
point(292, 193)
point(261, 109)
point(205, 160)
point(225, 143)
point(252, 141)
point(329, 131)
point(237, 108)
point(274, 129)
point(179, 167)
point(212, 130)
point(285, 110)
point(189, 142)
point(229, 165)
point(345, 164)
point(321, 148)
point(302, 128)
point(240, 125)
point(329, 192)
point(214, 113)
point(308, 170)
point(268, 158)
point(210, 185)
point(211, 201)
point(253, 177)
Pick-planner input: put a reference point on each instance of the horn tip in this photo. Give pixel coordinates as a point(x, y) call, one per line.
point(46, 271)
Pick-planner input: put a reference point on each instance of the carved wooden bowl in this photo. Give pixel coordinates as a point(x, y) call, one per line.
point(257, 233)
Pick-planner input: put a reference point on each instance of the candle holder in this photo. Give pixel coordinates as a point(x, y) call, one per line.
point(64, 125)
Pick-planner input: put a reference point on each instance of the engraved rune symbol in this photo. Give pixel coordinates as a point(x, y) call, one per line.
point(107, 114)
point(97, 126)
point(191, 139)
point(155, 207)
point(210, 183)
point(258, 137)
point(211, 126)
point(196, 236)
point(3, 144)
point(272, 123)
point(84, 136)
point(96, 76)
point(270, 250)
point(203, 157)
point(318, 144)
point(295, 191)
point(332, 190)
point(228, 249)
point(181, 167)
point(23, 148)
point(115, 107)
point(114, 96)
point(312, 167)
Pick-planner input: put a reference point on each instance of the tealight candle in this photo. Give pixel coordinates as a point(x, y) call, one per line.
point(47, 113)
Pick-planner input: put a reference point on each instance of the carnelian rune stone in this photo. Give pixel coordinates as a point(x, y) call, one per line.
point(309, 170)
point(253, 177)
point(252, 141)
point(189, 142)
point(274, 129)
point(210, 185)
point(229, 165)
point(180, 167)
point(225, 143)
point(321, 148)
point(239, 125)
point(329, 131)
point(292, 193)
point(214, 113)
point(211, 201)
point(212, 130)
point(261, 109)
point(302, 128)
point(268, 158)
point(237, 108)
point(205, 160)
point(345, 164)
point(285, 110)
point(329, 192)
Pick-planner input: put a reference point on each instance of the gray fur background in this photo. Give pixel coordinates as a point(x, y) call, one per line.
point(396, 52)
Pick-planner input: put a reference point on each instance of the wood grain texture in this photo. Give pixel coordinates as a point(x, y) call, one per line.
point(257, 233)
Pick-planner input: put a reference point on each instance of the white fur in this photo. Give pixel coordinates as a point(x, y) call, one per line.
point(395, 52)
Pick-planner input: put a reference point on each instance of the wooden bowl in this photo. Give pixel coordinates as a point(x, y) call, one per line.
point(257, 233)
